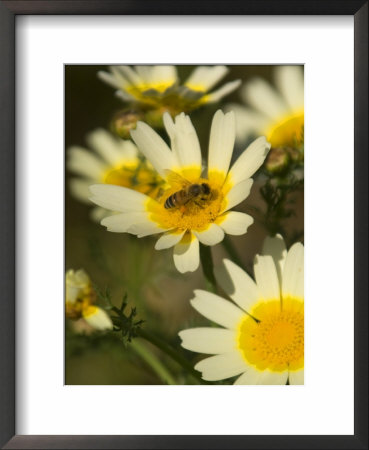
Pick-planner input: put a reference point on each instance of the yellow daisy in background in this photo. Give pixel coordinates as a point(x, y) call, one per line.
point(263, 336)
point(80, 298)
point(277, 113)
point(113, 161)
point(193, 207)
point(158, 87)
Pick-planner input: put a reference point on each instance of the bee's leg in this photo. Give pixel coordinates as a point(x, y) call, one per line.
point(198, 204)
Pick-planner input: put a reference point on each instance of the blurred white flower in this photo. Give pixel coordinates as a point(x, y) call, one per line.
point(158, 87)
point(112, 161)
point(277, 113)
point(80, 298)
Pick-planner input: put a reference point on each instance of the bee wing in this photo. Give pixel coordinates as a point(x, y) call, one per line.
point(174, 179)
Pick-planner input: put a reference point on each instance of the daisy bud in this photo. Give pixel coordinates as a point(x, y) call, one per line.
point(124, 121)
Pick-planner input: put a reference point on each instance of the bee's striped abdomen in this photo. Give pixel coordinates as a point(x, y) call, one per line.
point(170, 202)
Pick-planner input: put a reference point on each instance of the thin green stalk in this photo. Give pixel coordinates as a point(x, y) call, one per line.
point(167, 349)
point(208, 268)
point(150, 358)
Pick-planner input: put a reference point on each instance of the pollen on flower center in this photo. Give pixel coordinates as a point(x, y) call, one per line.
point(288, 130)
point(276, 340)
point(182, 209)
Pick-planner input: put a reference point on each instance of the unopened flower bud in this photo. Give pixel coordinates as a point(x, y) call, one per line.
point(277, 160)
point(295, 154)
point(124, 121)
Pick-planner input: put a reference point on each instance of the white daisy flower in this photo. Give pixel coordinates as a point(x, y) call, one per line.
point(158, 87)
point(113, 161)
point(263, 335)
point(80, 298)
point(194, 208)
point(278, 113)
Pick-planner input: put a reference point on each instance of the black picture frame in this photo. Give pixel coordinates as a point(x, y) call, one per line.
point(8, 12)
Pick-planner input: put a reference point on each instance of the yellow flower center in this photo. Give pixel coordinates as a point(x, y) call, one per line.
point(138, 90)
point(87, 296)
point(90, 311)
point(275, 340)
point(192, 205)
point(135, 175)
point(287, 132)
point(155, 96)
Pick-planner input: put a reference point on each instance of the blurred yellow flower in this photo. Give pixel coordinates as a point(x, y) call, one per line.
point(113, 161)
point(277, 113)
point(158, 87)
point(80, 298)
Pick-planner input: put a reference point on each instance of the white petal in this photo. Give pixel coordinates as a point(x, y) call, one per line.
point(222, 137)
point(263, 97)
point(296, 377)
point(235, 223)
point(249, 123)
point(184, 140)
point(120, 223)
point(130, 74)
point(97, 214)
point(208, 340)
point(205, 77)
point(266, 278)
point(79, 189)
point(211, 236)
point(293, 272)
point(122, 95)
point(186, 255)
point(255, 377)
point(276, 248)
point(121, 80)
point(110, 148)
point(108, 78)
point(145, 228)
point(223, 91)
point(237, 284)
point(97, 318)
point(83, 162)
point(168, 240)
point(221, 367)
point(118, 198)
point(290, 82)
point(249, 161)
point(273, 378)
point(164, 74)
point(144, 73)
point(153, 147)
point(217, 309)
point(75, 283)
point(238, 193)
point(250, 377)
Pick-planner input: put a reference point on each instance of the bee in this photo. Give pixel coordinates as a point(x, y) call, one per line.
point(190, 191)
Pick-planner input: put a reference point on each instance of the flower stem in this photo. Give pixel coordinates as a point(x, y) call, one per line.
point(167, 349)
point(140, 348)
point(208, 267)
